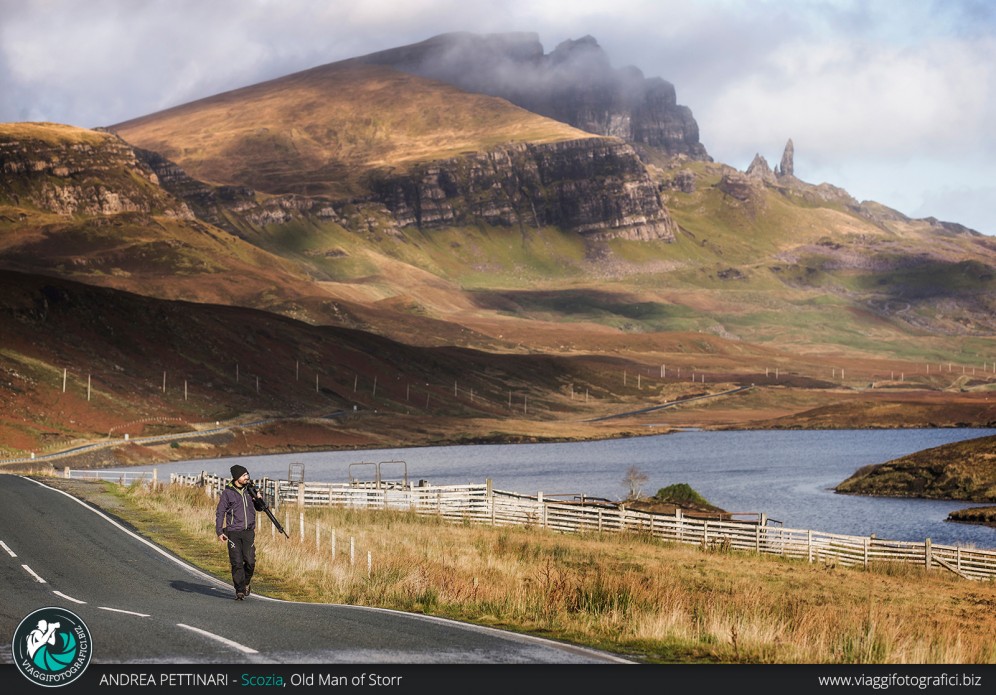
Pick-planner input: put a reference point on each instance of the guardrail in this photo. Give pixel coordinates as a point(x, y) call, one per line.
point(483, 504)
point(115, 476)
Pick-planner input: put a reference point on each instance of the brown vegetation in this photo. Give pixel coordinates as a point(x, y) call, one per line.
point(960, 471)
point(323, 130)
point(624, 593)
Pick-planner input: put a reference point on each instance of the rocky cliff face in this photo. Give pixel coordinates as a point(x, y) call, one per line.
point(93, 175)
point(215, 203)
point(595, 187)
point(574, 83)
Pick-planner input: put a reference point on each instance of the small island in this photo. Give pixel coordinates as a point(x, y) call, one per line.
point(959, 471)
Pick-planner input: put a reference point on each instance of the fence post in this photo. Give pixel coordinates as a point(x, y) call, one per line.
point(680, 524)
point(927, 554)
point(301, 517)
point(757, 539)
point(489, 486)
point(867, 544)
point(275, 495)
point(705, 534)
point(332, 548)
point(958, 551)
point(542, 508)
point(809, 544)
point(369, 563)
point(65, 472)
point(352, 551)
point(300, 494)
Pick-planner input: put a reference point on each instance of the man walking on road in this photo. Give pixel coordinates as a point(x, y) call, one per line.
point(235, 523)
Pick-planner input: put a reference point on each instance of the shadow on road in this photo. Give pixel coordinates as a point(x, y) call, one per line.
point(192, 588)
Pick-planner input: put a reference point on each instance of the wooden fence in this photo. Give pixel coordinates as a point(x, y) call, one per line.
point(482, 504)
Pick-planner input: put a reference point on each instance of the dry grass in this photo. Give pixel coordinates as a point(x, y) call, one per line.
point(627, 594)
point(324, 128)
point(51, 133)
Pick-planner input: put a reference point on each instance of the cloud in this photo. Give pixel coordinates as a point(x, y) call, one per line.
point(852, 97)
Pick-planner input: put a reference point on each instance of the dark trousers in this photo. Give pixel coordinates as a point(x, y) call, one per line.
point(242, 554)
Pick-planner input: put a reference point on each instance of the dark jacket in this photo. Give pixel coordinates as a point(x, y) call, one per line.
point(236, 510)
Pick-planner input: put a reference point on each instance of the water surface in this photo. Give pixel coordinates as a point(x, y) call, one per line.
point(788, 475)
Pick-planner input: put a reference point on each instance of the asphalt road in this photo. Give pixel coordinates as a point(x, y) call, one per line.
point(672, 404)
point(143, 605)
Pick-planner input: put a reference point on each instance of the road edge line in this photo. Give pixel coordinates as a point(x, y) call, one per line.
point(182, 563)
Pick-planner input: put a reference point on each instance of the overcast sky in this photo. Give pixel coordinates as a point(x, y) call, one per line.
point(895, 101)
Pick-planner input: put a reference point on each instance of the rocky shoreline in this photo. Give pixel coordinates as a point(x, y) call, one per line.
point(983, 516)
point(963, 471)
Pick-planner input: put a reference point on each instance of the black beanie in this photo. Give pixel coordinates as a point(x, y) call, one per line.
point(237, 471)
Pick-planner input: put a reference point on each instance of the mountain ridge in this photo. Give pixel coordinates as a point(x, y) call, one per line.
point(574, 83)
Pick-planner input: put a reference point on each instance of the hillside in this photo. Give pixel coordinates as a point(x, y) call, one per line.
point(324, 130)
point(960, 471)
point(79, 204)
point(506, 231)
point(78, 361)
point(83, 363)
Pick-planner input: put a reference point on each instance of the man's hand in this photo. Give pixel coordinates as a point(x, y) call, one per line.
point(222, 537)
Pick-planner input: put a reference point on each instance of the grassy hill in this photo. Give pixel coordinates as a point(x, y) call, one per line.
point(78, 361)
point(76, 203)
point(322, 131)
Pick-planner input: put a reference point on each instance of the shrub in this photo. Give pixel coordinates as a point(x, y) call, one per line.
point(680, 494)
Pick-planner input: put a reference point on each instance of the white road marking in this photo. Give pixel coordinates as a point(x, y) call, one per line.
point(68, 598)
point(190, 568)
point(415, 616)
point(241, 647)
point(32, 573)
point(119, 610)
point(9, 551)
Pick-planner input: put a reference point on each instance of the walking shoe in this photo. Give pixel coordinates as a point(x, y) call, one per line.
point(239, 596)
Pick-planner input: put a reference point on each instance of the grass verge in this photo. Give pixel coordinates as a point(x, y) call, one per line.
point(627, 594)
